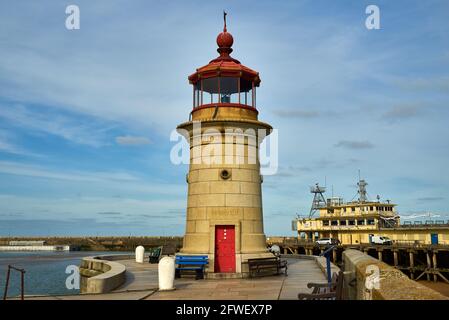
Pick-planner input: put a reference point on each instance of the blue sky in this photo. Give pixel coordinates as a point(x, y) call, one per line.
point(86, 115)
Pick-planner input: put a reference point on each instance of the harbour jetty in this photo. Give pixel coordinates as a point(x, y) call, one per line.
point(91, 243)
point(33, 245)
point(418, 261)
point(120, 277)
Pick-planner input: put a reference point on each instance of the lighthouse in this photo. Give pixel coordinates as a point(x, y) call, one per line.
point(224, 217)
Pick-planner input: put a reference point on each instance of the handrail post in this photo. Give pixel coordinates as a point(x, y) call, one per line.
point(22, 281)
point(22, 286)
point(7, 283)
point(328, 266)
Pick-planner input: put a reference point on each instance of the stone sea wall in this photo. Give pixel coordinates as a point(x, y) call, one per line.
point(99, 275)
point(367, 278)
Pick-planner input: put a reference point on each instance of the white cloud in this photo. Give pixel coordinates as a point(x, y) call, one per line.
point(350, 144)
point(74, 129)
point(135, 73)
point(5, 146)
point(292, 113)
point(8, 147)
point(115, 71)
point(132, 140)
point(15, 168)
point(78, 207)
point(95, 182)
point(430, 83)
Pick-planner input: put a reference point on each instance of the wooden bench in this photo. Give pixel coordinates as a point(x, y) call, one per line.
point(191, 263)
point(322, 291)
point(266, 266)
point(168, 250)
point(155, 254)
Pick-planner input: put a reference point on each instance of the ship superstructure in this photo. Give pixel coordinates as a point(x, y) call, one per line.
point(359, 220)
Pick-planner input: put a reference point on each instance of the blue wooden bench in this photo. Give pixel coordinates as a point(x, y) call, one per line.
point(191, 263)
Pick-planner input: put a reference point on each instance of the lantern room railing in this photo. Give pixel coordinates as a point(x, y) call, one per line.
point(228, 91)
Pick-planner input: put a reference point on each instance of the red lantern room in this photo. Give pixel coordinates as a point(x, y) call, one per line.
point(224, 82)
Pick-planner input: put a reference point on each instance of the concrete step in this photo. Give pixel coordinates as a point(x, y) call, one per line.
point(217, 275)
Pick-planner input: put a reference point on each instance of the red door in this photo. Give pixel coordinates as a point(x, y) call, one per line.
point(224, 249)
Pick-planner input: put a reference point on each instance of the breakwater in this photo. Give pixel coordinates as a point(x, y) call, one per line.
point(36, 248)
point(102, 243)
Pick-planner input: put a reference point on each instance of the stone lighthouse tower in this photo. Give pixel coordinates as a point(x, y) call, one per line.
point(224, 210)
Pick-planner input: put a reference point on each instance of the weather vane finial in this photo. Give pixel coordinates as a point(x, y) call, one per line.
point(224, 18)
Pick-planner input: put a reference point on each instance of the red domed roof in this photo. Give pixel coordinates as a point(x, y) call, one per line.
point(225, 65)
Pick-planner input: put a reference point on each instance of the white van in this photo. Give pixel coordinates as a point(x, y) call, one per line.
point(381, 240)
point(327, 241)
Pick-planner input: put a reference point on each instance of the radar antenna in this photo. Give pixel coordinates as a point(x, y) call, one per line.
point(363, 195)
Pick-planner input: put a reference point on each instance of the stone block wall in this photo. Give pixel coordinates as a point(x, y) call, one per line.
point(392, 284)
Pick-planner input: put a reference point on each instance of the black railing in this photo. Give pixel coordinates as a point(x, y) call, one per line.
point(427, 223)
point(22, 278)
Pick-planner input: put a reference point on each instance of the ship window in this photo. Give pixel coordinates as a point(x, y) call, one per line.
point(360, 222)
point(342, 222)
point(351, 222)
point(334, 223)
point(370, 222)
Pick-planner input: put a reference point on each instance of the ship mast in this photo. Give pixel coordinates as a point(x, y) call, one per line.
point(362, 190)
point(318, 199)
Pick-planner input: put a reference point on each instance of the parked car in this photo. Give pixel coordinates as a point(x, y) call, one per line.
point(381, 240)
point(327, 241)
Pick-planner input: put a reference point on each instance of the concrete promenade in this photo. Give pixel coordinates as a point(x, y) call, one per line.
point(142, 283)
point(281, 287)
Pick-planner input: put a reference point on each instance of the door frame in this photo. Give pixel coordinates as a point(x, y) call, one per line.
point(230, 226)
point(237, 246)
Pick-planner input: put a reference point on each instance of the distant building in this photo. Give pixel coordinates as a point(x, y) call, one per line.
point(358, 221)
point(27, 243)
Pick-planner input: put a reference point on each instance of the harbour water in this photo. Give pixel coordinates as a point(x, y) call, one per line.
point(45, 271)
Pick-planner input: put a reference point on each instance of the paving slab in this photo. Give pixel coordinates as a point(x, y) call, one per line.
point(300, 272)
point(142, 283)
